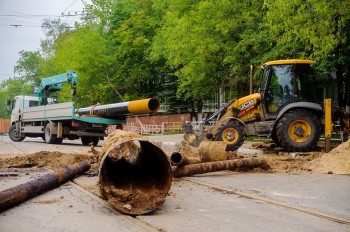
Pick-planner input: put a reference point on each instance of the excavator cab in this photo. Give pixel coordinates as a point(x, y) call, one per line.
point(286, 82)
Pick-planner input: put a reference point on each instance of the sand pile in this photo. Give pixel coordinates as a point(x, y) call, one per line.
point(337, 161)
point(49, 160)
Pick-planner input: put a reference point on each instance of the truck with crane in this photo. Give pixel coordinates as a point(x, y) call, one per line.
point(286, 108)
point(42, 116)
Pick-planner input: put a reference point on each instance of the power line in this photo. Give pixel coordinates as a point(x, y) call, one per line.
point(12, 20)
point(69, 6)
point(17, 25)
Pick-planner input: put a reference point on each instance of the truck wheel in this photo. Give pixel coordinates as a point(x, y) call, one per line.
point(231, 133)
point(87, 140)
point(49, 137)
point(14, 134)
point(95, 140)
point(298, 130)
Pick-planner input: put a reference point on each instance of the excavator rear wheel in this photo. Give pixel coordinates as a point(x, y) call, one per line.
point(298, 130)
point(231, 133)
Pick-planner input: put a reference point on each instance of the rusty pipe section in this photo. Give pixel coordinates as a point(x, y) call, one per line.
point(20, 193)
point(134, 173)
point(178, 159)
point(233, 165)
point(143, 106)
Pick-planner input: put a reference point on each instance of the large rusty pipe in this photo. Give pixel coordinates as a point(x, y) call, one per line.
point(143, 106)
point(233, 165)
point(134, 173)
point(20, 193)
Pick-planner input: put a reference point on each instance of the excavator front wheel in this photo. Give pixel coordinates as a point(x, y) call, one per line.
point(231, 133)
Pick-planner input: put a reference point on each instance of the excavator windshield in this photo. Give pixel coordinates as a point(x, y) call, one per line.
point(286, 83)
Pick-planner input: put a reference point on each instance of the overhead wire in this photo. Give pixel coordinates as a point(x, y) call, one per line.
point(7, 15)
point(69, 6)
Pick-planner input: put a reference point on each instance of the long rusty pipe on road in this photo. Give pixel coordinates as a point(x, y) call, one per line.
point(20, 193)
point(143, 106)
point(233, 165)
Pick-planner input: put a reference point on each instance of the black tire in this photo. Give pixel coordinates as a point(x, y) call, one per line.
point(14, 135)
point(87, 140)
point(49, 137)
point(275, 140)
point(298, 131)
point(231, 133)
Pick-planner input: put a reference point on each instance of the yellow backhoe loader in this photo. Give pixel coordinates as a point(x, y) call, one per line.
point(287, 108)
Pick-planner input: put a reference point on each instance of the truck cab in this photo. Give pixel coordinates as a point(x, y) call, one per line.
point(16, 105)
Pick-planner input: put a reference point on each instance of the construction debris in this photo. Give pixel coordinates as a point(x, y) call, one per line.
point(134, 173)
point(177, 159)
point(20, 193)
point(233, 165)
point(212, 151)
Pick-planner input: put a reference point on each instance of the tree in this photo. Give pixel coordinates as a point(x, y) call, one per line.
point(52, 28)
point(313, 29)
point(9, 89)
point(28, 66)
point(208, 42)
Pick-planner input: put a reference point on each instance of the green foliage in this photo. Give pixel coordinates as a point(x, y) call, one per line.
point(208, 42)
point(182, 51)
point(9, 89)
point(28, 66)
point(313, 29)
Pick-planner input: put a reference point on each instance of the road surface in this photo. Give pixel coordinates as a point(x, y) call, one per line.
point(222, 201)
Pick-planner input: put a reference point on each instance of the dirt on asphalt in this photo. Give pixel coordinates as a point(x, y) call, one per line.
point(337, 161)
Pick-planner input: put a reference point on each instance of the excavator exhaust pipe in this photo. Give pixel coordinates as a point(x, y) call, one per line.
point(134, 173)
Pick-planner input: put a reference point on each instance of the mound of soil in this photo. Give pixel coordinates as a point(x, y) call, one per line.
point(337, 161)
point(49, 160)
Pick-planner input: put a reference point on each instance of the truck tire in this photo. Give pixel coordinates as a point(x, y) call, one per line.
point(87, 140)
point(231, 133)
point(49, 137)
point(298, 131)
point(14, 135)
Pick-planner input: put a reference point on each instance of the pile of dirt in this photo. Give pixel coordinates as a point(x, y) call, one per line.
point(289, 163)
point(49, 160)
point(337, 161)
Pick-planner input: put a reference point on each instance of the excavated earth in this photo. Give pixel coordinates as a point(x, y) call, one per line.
point(335, 162)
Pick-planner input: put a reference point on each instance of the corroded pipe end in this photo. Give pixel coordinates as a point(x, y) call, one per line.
point(135, 175)
point(177, 159)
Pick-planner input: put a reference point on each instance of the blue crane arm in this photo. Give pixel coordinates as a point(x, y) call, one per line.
point(52, 84)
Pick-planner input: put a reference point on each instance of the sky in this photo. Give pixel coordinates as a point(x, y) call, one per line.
point(20, 26)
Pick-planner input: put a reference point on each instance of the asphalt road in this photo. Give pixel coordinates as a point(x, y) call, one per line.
point(222, 201)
